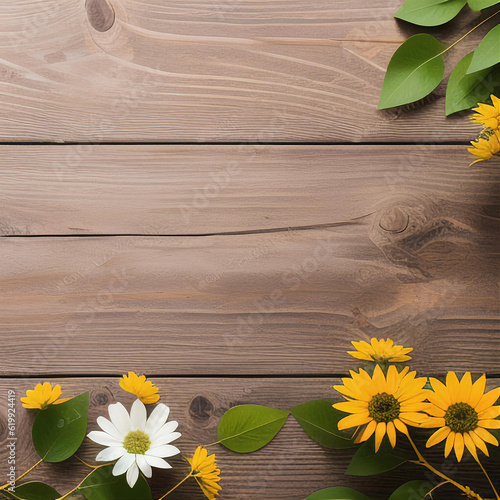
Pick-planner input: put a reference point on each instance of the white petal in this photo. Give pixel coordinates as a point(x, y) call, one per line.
point(157, 418)
point(111, 453)
point(157, 462)
point(132, 475)
point(166, 450)
point(164, 439)
point(103, 438)
point(167, 428)
point(109, 428)
point(138, 416)
point(120, 418)
point(123, 464)
point(143, 465)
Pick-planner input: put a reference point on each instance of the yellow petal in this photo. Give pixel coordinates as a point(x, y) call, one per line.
point(477, 391)
point(379, 434)
point(434, 410)
point(354, 421)
point(489, 424)
point(401, 427)
point(491, 412)
point(432, 422)
point(352, 406)
point(438, 436)
point(470, 445)
point(441, 395)
point(488, 400)
point(450, 440)
point(453, 386)
point(479, 443)
point(459, 446)
point(367, 432)
point(465, 388)
point(391, 433)
point(486, 436)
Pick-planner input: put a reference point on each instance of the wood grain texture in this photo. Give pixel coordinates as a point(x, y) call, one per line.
point(291, 467)
point(271, 303)
point(196, 190)
point(265, 72)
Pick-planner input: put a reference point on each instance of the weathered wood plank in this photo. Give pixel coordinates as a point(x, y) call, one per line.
point(211, 71)
point(192, 190)
point(291, 467)
point(286, 302)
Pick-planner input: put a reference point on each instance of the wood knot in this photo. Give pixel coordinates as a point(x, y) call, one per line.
point(394, 220)
point(201, 408)
point(101, 14)
point(99, 398)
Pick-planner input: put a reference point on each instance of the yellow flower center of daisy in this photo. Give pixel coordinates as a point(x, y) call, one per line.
point(137, 442)
point(461, 417)
point(384, 407)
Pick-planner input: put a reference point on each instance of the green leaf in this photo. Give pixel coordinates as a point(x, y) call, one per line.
point(59, 430)
point(337, 493)
point(430, 12)
point(36, 491)
point(415, 70)
point(416, 490)
point(319, 420)
point(465, 91)
point(481, 4)
point(366, 462)
point(247, 428)
point(487, 53)
point(101, 484)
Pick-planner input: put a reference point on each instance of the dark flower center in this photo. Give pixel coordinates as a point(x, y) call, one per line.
point(461, 417)
point(384, 407)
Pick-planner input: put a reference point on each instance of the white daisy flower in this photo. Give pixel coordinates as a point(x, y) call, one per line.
point(137, 441)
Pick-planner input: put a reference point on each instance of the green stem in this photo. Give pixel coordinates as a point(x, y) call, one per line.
point(21, 476)
point(468, 33)
point(435, 488)
point(175, 487)
point(74, 489)
point(423, 461)
point(211, 444)
point(487, 477)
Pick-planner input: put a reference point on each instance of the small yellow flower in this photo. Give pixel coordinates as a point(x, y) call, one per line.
point(463, 412)
point(486, 147)
point(205, 471)
point(140, 387)
point(381, 404)
point(380, 351)
point(42, 396)
point(487, 115)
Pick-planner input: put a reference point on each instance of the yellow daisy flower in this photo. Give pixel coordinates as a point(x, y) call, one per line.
point(463, 413)
point(381, 404)
point(205, 471)
point(486, 147)
point(380, 351)
point(145, 390)
point(487, 115)
point(42, 396)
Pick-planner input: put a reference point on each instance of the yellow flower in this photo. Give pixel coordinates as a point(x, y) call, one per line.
point(485, 147)
point(42, 396)
point(140, 387)
point(204, 470)
point(380, 351)
point(463, 412)
point(381, 404)
point(487, 115)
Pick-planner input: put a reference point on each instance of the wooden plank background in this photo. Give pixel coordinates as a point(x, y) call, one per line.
point(226, 212)
point(212, 71)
